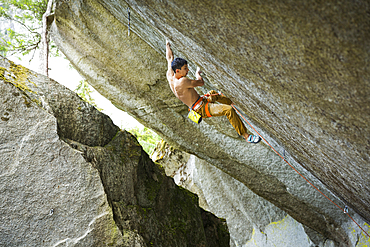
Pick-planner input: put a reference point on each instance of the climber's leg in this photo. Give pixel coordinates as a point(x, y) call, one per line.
point(216, 110)
point(226, 110)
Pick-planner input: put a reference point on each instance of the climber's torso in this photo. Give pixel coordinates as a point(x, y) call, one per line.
point(180, 87)
point(183, 87)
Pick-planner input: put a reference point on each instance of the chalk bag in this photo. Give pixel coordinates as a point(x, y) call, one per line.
point(195, 117)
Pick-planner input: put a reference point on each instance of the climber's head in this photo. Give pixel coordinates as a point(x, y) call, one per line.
point(180, 65)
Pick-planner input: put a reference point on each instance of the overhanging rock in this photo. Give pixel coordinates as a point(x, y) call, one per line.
point(296, 69)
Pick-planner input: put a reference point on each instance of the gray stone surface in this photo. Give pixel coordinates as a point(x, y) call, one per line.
point(299, 71)
point(69, 177)
point(50, 195)
point(252, 221)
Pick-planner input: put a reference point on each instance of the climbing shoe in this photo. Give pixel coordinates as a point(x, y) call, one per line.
point(253, 139)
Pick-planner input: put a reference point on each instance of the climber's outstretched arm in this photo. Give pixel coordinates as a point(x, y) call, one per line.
point(169, 57)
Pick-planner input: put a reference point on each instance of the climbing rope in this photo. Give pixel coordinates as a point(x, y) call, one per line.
point(345, 210)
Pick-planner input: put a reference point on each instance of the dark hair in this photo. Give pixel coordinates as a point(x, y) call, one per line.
point(178, 63)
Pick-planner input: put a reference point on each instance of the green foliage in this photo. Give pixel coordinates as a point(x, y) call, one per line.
point(147, 138)
point(28, 15)
point(84, 91)
point(32, 10)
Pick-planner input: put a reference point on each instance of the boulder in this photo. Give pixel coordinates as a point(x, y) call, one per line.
point(70, 177)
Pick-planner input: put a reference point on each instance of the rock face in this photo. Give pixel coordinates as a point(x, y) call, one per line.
point(70, 177)
point(252, 220)
point(299, 71)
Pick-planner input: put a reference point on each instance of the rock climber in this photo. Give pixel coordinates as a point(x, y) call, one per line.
point(183, 88)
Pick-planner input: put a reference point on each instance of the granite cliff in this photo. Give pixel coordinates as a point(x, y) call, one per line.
point(299, 72)
point(70, 177)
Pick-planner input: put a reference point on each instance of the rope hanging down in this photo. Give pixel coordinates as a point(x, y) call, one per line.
point(345, 210)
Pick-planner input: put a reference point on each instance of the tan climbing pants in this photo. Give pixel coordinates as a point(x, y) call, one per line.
point(223, 109)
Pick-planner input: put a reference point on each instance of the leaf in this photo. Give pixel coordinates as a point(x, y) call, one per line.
point(84, 91)
point(147, 138)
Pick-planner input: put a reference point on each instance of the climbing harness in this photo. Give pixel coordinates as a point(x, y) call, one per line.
point(128, 25)
point(206, 106)
point(193, 115)
point(345, 210)
point(207, 111)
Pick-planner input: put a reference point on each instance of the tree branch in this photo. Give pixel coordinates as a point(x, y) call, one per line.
point(44, 53)
point(24, 25)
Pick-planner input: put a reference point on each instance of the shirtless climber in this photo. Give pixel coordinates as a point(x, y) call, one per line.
point(184, 90)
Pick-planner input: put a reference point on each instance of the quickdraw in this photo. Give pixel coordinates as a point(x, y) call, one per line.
point(128, 25)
